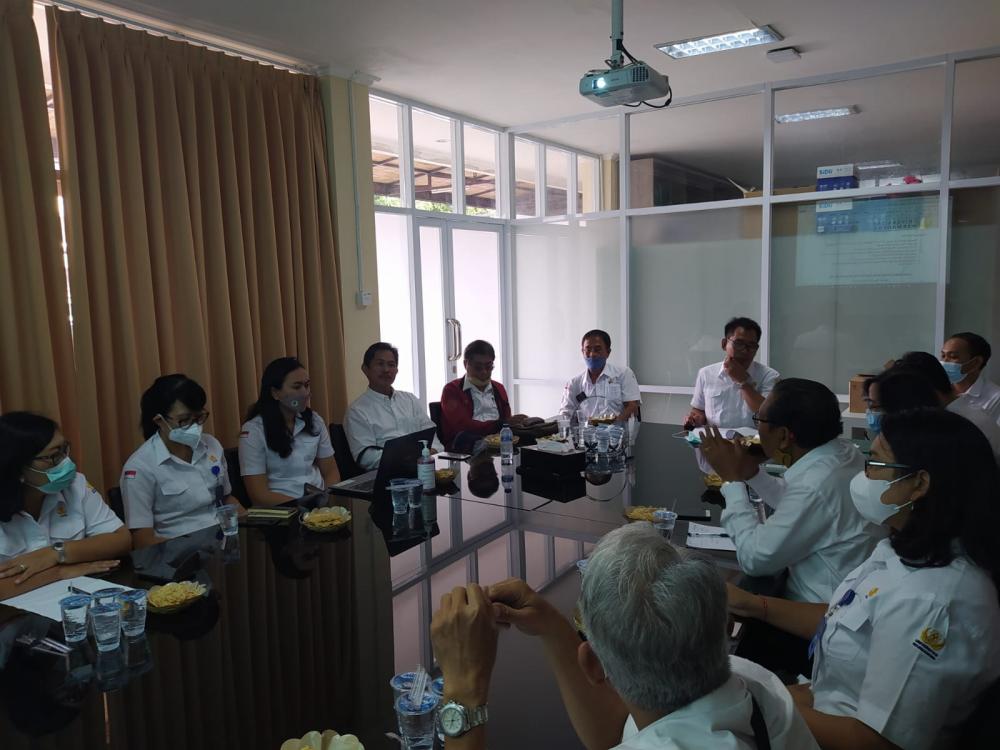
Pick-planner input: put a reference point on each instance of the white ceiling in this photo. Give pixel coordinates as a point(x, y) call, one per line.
point(519, 61)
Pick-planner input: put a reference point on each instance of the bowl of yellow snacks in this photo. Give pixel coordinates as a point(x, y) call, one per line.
point(603, 419)
point(444, 477)
point(326, 519)
point(493, 441)
point(712, 481)
point(174, 596)
point(641, 512)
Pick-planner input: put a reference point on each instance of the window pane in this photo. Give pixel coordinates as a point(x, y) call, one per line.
point(973, 302)
point(385, 151)
point(478, 518)
point(442, 582)
point(698, 153)
point(567, 553)
point(432, 163)
point(566, 282)
point(494, 560)
point(393, 253)
point(476, 266)
point(405, 615)
point(975, 147)
point(525, 178)
point(587, 185)
point(556, 182)
point(892, 139)
point(480, 171)
point(690, 273)
point(432, 286)
point(853, 283)
point(540, 400)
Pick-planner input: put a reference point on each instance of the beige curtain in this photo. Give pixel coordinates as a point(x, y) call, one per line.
point(36, 348)
point(199, 226)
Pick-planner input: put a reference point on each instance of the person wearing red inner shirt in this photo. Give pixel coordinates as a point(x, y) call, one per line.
point(475, 406)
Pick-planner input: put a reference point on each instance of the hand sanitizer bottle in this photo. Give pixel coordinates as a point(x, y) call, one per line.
point(425, 468)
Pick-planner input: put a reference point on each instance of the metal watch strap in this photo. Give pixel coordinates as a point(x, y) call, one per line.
point(60, 549)
point(477, 716)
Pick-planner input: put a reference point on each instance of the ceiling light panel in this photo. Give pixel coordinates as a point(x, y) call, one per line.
point(816, 114)
point(720, 42)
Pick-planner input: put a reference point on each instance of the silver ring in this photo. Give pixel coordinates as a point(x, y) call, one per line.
point(23, 567)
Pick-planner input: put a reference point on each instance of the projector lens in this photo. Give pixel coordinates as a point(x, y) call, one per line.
point(601, 83)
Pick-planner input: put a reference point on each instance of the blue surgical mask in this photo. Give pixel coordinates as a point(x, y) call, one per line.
point(595, 363)
point(60, 476)
point(954, 370)
point(874, 420)
point(189, 436)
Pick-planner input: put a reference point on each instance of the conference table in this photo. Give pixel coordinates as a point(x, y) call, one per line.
point(303, 630)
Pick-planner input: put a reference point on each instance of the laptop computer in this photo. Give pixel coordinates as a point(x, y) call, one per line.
point(399, 460)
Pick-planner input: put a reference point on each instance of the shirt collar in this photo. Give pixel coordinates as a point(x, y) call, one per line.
point(803, 464)
point(976, 389)
point(608, 372)
point(468, 386)
point(162, 454)
point(373, 394)
point(751, 370)
point(718, 709)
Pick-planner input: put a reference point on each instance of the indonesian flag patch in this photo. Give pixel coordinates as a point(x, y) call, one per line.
point(130, 474)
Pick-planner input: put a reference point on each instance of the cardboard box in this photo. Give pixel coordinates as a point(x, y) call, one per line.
point(856, 390)
point(835, 170)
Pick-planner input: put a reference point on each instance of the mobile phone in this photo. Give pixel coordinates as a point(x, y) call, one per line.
point(449, 456)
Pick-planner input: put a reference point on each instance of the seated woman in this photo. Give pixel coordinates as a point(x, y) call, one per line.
point(172, 483)
point(285, 445)
point(911, 638)
point(53, 524)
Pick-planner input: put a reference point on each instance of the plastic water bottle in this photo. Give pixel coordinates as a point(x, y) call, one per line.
point(758, 505)
point(507, 478)
point(506, 445)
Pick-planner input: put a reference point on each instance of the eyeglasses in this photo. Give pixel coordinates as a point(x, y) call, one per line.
point(480, 366)
point(190, 419)
point(757, 419)
point(56, 457)
point(747, 346)
point(870, 462)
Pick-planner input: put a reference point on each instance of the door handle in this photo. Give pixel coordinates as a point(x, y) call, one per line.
point(453, 339)
point(458, 339)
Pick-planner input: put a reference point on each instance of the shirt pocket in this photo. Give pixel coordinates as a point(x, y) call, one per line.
point(67, 528)
point(849, 631)
point(306, 447)
point(173, 494)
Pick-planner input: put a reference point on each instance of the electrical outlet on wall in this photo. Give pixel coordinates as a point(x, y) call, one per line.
point(364, 298)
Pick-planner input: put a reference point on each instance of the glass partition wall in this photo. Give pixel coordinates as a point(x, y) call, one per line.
point(659, 226)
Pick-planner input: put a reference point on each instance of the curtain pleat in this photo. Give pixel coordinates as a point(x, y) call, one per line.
point(36, 346)
point(199, 225)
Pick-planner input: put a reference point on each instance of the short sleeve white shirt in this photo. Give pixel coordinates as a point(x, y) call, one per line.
point(912, 651)
point(484, 402)
point(721, 719)
point(286, 476)
point(170, 495)
point(815, 530)
point(374, 418)
point(980, 419)
point(614, 387)
point(983, 395)
point(77, 512)
point(720, 397)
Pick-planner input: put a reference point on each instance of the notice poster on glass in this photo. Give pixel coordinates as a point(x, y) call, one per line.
point(876, 241)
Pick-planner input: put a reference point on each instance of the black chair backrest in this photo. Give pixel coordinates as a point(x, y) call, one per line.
point(980, 729)
point(116, 503)
point(435, 410)
point(342, 452)
point(239, 489)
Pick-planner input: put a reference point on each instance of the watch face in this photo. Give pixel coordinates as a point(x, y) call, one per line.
point(452, 720)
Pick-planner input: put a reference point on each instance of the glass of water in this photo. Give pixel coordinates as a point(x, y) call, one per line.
point(416, 721)
point(563, 423)
point(107, 619)
point(664, 521)
point(133, 605)
point(226, 515)
point(74, 617)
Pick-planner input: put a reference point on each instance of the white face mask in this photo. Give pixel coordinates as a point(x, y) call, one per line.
point(189, 436)
point(867, 497)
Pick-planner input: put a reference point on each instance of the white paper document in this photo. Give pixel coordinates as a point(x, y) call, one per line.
point(45, 601)
point(701, 536)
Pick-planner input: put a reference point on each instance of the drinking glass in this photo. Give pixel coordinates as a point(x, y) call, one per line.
point(133, 604)
point(107, 619)
point(74, 616)
point(228, 521)
point(416, 721)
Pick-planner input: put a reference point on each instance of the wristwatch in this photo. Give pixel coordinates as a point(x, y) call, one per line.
point(60, 549)
point(456, 719)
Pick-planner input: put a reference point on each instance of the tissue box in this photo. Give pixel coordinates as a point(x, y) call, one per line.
point(856, 391)
point(539, 463)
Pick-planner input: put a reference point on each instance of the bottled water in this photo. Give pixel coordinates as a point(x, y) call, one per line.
point(506, 445)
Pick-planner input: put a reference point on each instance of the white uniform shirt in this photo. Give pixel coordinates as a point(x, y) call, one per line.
point(815, 530)
point(980, 419)
point(374, 418)
point(75, 513)
point(912, 651)
point(615, 385)
point(984, 395)
point(286, 476)
point(719, 396)
point(171, 496)
point(721, 719)
point(484, 403)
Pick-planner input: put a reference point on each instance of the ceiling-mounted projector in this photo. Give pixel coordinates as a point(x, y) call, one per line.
point(630, 84)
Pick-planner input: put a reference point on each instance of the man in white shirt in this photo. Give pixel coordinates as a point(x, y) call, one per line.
point(728, 393)
point(382, 413)
point(654, 670)
point(603, 388)
point(815, 531)
point(929, 367)
point(964, 357)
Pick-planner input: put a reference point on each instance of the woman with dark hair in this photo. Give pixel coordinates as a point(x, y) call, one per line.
point(53, 524)
point(172, 484)
point(911, 638)
point(285, 445)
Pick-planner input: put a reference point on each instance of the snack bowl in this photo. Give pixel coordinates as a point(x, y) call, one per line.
point(324, 520)
point(493, 441)
point(174, 596)
point(444, 477)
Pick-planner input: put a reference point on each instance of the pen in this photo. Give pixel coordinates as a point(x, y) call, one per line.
point(699, 533)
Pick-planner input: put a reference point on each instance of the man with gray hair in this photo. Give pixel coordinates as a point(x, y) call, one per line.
point(654, 670)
